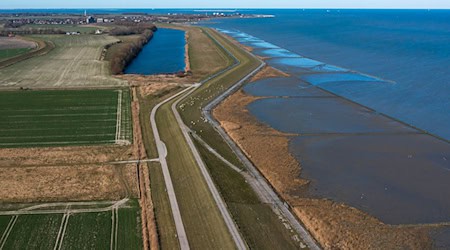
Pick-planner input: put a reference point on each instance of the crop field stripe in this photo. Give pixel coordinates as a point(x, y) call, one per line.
point(117, 228)
point(126, 126)
point(58, 115)
point(57, 143)
point(47, 129)
point(119, 115)
point(8, 230)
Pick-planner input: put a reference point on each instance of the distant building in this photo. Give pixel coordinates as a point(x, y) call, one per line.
point(90, 19)
point(100, 20)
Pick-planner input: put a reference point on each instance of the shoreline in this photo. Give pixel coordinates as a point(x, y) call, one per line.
point(331, 223)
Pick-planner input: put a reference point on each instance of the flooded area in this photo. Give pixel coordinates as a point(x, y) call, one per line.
point(309, 115)
point(164, 54)
point(398, 178)
point(352, 151)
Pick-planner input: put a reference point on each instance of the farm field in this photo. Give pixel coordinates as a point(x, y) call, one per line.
point(8, 53)
point(115, 227)
point(74, 62)
point(33, 232)
point(62, 118)
point(129, 227)
point(88, 231)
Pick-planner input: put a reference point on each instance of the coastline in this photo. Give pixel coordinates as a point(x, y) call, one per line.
point(332, 224)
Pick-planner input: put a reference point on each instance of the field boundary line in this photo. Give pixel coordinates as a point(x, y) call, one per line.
point(119, 115)
point(56, 143)
point(62, 231)
point(114, 227)
point(8, 230)
point(117, 228)
point(62, 211)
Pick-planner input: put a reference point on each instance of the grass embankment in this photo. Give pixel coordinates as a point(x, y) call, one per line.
point(163, 214)
point(34, 232)
point(61, 118)
point(203, 222)
point(260, 226)
point(75, 61)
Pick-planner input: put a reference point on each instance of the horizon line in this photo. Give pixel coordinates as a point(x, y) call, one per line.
point(218, 8)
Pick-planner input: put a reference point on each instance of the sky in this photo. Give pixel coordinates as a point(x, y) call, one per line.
point(397, 4)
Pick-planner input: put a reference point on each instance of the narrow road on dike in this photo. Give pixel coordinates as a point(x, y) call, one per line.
point(162, 153)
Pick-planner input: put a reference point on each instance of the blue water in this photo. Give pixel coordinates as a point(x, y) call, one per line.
point(406, 51)
point(165, 53)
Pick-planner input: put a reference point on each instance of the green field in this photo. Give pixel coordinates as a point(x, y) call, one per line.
point(4, 220)
point(8, 53)
point(61, 118)
point(130, 228)
point(75, 61)
point(88, 231)
point(34, 232)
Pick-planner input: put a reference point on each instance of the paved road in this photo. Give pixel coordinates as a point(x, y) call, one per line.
point(162, 153)
point(240, 244)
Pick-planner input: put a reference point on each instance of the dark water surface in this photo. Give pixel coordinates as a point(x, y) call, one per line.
point(165, 53)
point(400, 179)
point(352, 153)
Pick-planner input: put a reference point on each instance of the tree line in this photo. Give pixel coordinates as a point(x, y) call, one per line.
point(31, 31)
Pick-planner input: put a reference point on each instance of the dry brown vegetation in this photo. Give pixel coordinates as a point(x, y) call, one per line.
point(59, 183)
point(334, 225)
point(268, 72)
point(65, 173)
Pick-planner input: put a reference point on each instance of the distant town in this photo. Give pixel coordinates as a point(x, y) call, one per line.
point(21, 19)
